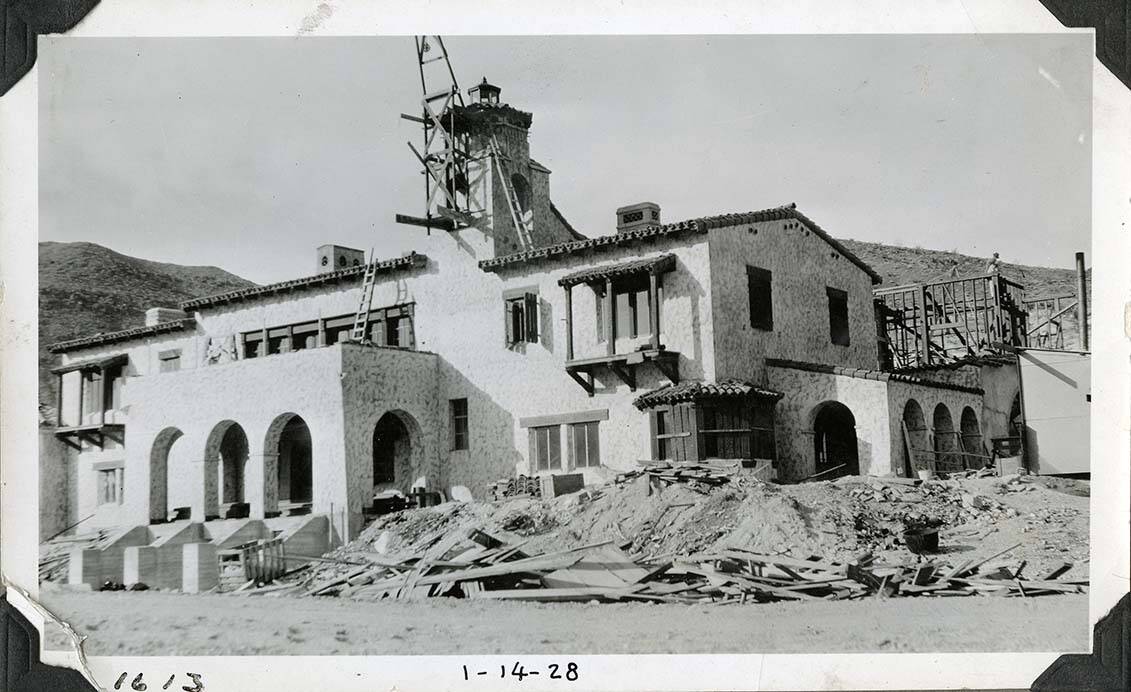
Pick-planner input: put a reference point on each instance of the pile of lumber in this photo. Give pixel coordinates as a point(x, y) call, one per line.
point(698, 475)
point(54, 555)
point(477, 565)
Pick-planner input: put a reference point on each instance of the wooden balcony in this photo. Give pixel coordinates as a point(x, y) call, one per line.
point(624, 366)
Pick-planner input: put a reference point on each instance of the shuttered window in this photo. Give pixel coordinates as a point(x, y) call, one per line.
point(521, 319)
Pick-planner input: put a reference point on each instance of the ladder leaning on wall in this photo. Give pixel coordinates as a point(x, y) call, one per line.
point(518, 217)
point(361, 320)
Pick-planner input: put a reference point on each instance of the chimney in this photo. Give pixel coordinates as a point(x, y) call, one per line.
point(637, 216)
point(161, 315)
point(332, 258)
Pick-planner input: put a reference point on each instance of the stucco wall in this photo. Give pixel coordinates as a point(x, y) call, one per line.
point(795, 413)
point(252, 393)
point(1002, 384)
point(376, 381)
point(803, 265)
point(58, 491)
point(928, 399)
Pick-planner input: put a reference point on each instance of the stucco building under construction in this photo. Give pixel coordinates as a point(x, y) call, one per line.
point(515, 345)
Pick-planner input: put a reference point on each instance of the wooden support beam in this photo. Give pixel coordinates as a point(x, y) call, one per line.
point(626, 375)
point(585, 382)
point(431, 222)
point(670, 368)
point(569, 321)
point(654, 306)
point(610, 335)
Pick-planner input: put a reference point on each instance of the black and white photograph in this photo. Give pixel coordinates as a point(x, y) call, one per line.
point(528, 350)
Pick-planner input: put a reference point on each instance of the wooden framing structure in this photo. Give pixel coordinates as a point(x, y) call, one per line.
point(934, 323)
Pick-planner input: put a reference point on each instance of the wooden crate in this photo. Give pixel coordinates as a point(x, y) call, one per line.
point(561, 484)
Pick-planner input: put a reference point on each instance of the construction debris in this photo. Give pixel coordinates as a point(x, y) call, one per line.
point(697, 475)
point(475, 564)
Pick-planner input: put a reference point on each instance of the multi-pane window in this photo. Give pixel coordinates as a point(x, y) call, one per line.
point(759, 287)
point(170, 360)
point(546, 448)
point(110, 483)
point(584, 445)
point(459, 423)
point(391, 326)
point(838, 316)
point(521, 316)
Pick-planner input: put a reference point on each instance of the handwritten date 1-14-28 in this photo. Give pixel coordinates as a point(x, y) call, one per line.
point(554, 671)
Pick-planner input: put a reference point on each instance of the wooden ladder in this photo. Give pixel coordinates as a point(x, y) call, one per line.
point(521, 224)
point(361, 320)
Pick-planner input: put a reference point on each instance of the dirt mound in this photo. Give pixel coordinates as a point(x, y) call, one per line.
point(836, 520)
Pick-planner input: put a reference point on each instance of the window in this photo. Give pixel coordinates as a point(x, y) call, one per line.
point(110, 486)
point(459, 423)
point(169, 360)
point(632, 309)
point(662, 432)
point(521, 314)
point(253, 344)
point(546, 448)
point(760, 290)
point(584, 445)
point(838, 316)
point(723, 429)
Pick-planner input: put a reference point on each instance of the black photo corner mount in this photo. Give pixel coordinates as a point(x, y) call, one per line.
point(20, 667)
point(1107, 668)
point(22, 22)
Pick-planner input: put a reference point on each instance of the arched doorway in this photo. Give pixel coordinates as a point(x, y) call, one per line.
point(159, 474)
point(946, 440)
point(288, 440)
point(971, 439)
point(916, 443)
point(226, 455)
point(834, 440)
point(392, 450)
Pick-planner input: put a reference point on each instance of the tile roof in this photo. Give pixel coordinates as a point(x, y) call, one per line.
point(996, 359)
point(695, 391)
point(611, 271)
point(93, 364)
point(122, 335)
point(674, 230)
point(867, 374)
point(411, 261)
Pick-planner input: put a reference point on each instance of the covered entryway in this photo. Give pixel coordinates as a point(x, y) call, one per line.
point(159, 474)
point(834, 441)
point(392, 450)
point(225, 456)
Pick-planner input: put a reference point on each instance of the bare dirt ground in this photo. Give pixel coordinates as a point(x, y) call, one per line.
point(1044, 521)
point(151, 623)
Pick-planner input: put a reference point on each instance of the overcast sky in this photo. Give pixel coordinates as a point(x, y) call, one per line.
point(248, 153)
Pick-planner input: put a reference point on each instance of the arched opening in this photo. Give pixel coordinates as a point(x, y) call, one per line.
point(159, 474)
point(226, 456)
point(288, 440)
point(971, 439)
point(916, 446)
point(392, 450)
point(946, 440)
point(834, 441)
point(521, 191)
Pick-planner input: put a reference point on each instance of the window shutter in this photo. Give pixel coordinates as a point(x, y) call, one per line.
point(508, 320)
point(655, 430)
point(531, 314)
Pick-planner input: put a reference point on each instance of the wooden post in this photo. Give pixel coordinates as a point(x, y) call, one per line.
point(1082, 302)
point(59, 402)
point(103, 394)
point(569, 322)
point(609, 321)
point(924, 330)
point(321, 332)
point(654, 304)
point(82, 377)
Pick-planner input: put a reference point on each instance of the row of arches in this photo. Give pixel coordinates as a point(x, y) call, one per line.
point(951, 448)
point(287, 466)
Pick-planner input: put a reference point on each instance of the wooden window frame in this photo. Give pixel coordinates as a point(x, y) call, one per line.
point(460, 424)
point(521, 313)
point(553, 435)
point(592, 444)
point(690, 431)
point(117, 474)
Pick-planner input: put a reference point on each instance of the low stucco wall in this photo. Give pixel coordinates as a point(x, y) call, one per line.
point(795, 413)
